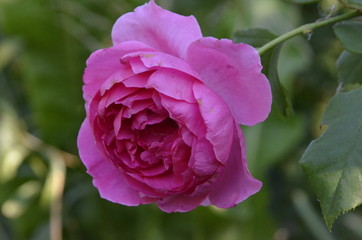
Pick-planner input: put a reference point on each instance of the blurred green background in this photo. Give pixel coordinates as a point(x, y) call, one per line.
point(44, 190)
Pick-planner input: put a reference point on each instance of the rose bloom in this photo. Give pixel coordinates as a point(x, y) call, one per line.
point(163, 108)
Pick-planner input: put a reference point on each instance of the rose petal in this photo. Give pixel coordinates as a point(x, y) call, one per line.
point(143, 118)
point(204, 187)
point(106, 177)
point(187, 136)
point(136, 64)
point(172, 83)
point(154, 170)
point(233, 71)
point(104, 63)
point(179, 203)
point(235, 184)
point(145, 61)
point(138, 80)
point(160, 29)
point(186, 114)
point(202, 160)
point(136, 107)
point(218, 119)
point(165, 181)
point(115, 94)
point(134, 99)
point(137, 183)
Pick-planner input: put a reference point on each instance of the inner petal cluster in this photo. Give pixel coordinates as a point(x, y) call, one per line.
point(136, 132)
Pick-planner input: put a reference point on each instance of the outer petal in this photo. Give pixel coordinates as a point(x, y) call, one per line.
point(106, 177)
point(161, 29)
point(103, 65)
point(233, 71)
point(144, 61)
point(180, 203)
point(218, 120)
point(235, 184)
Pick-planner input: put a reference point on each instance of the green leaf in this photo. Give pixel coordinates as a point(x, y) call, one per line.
point(349, 66)
point(280, 98)
point(349, 34)
point(333, 162)
point(257, 37)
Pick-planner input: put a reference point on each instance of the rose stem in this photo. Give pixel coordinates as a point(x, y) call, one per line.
point(306, 29)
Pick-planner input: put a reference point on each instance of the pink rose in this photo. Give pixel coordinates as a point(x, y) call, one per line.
point(163, 107)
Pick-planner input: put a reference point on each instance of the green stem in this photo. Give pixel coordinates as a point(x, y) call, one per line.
point(307, 28)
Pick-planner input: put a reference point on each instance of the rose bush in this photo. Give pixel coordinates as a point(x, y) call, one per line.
point(163, 106)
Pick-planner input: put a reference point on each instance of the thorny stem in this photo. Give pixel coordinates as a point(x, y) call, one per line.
point(307, 28)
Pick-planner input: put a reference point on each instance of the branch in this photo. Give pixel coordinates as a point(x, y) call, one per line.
point(307, 28)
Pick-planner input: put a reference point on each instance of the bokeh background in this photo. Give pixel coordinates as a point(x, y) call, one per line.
point(44, 190)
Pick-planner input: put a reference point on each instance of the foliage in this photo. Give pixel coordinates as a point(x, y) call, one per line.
point(349, 33)
point(333, 162)
point(349, 67)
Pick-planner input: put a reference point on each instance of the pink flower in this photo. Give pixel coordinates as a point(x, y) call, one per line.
point(163, 107)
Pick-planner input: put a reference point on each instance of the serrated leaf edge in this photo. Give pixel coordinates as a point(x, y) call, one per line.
point(330, 223)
